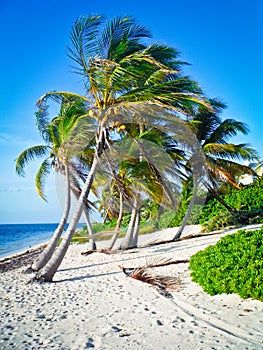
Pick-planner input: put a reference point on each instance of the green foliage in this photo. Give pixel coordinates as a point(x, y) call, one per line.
point(165, 219)
point(248, 202)
point(220, 221)
point(99, 226)
point(179, 216)
point(211, 209)
point(224, 219)
point(233, 265)
point(250, 197)
point(174, 219)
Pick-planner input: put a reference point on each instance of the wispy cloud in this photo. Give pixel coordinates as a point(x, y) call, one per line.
point(6, 138)
point(24, 189)
point(16, 189)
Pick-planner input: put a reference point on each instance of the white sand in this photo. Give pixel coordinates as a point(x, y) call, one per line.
point(92, 304)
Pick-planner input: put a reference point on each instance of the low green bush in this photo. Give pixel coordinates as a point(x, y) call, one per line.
point(165, 219)
point(219, 222)
point(248, 201)
point(233, 265)
point(224, 219)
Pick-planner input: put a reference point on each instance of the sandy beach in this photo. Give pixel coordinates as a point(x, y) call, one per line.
point(92, 304)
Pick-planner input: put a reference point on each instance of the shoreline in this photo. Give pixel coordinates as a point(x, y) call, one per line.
point(157, 236)
point(24, 251)
point(145, 240)
point(21, 259)
point(38, 234)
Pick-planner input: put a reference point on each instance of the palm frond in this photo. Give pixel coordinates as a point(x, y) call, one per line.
point(120, 37)
point(41, 176)
point(230, 151)
point(163, 283)
point(29, 155)
point(179, 95)
point(166, 55)
point(60, 97)
point(228, 128)
point(219, 173)
point(235, 168)
point(42, 122)
point(84, 36)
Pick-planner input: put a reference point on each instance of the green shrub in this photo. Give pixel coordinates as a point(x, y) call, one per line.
point(165, 219)
point(219, 222)
point(233, 265)
point(225, 219)
point(248, 201)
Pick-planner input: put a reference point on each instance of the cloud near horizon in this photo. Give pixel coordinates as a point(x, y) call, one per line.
point(21, 189)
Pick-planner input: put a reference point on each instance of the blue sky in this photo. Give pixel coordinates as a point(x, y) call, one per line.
point(221, 39)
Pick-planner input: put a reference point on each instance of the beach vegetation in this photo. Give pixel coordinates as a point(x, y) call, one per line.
point(212, 216)
point(234, 265)
point(248, 202)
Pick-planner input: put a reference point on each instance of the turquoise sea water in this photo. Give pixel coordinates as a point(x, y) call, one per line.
point(15, 238)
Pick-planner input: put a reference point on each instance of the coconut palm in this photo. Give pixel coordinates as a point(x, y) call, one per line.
point(157, 157)
point(58, 135)
point(121, 76)
point(222, 159)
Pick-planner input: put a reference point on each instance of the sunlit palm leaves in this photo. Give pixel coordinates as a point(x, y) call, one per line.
point(222, 158)
point(63, 141)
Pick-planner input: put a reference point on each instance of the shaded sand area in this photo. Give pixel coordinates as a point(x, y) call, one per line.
point(92, 304)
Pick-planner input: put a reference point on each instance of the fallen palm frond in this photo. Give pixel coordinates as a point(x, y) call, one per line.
point(164, 284)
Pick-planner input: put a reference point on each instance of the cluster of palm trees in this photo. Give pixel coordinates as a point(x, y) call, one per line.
point(141, 128)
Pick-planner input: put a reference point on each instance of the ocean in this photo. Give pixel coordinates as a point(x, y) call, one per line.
point(15, 238)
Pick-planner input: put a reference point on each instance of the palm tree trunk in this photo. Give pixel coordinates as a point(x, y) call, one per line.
point(188, 213)
point(128, 240)
point(136, 227)
point(118, 224)
point(76, 191)
point(47, 273)
point(49, 250)
point(131, 237)
point(92, 242)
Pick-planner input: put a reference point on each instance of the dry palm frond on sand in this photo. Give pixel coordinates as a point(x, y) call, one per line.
point(163, 283)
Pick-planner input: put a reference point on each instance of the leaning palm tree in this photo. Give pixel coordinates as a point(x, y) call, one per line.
point(122, 77)
point(153, 158)
point(58, 135)
point(223, 160)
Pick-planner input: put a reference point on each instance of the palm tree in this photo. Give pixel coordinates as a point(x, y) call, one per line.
point(221, 157)
point(121, 76)
point(58, 135)
point(147, 171)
